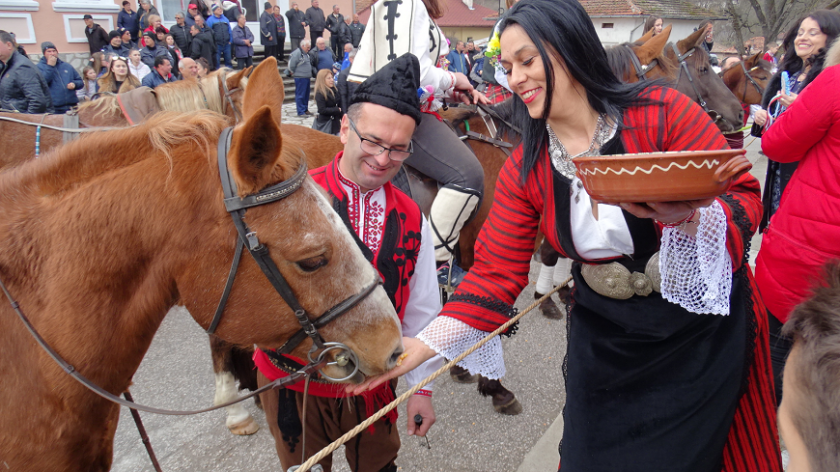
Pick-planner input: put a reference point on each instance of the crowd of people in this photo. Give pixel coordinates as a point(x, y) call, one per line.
point(686, 376)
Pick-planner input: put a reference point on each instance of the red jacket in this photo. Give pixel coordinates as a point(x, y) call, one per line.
point(805, 233)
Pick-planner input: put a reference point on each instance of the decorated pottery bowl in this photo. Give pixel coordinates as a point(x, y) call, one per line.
point(661, 176)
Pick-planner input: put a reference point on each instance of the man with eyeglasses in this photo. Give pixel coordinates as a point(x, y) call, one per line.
point(395, 236)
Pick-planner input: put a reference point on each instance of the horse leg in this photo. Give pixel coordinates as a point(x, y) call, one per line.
point(225, 358)
point(504, 401)
point(462, 375)
point(548, 261)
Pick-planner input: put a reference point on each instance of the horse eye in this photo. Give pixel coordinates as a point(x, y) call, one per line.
point(312, 264)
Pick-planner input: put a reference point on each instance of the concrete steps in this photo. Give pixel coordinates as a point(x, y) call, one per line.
point(288, 82)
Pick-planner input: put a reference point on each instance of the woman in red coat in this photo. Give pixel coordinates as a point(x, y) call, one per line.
point(805, 232)
point(671, 378)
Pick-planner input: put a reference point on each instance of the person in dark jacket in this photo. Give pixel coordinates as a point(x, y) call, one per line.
point(202, 45)
point(192, 10)
point(356, 31)
point(161, 74)
point(345, 37)
point(116, 46)
point(153, 50)
point(220, 26)
point(127, 18)
point(125, 37)
point(146, 10)
point(322, 57)
point(345, 87)
point(328, 100)
point(334, 23)
point(281, 34)
point(296, 23)
point(62, 79)
point(268, 30)
point(22, 87)
point(180, 32)
point(316, 21)
point(96, 36)
point(243, 43)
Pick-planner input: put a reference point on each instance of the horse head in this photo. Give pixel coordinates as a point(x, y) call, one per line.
point(697, 80)
point(307, 241)
point(643, 59)
point(748, 79)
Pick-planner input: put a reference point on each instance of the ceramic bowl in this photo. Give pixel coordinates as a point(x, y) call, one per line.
point(661, 176)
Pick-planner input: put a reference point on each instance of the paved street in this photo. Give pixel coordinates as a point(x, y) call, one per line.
point(468, 436)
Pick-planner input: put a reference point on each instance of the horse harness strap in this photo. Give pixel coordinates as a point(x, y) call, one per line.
point(641, 69)
point(237, 206)
point(228, 93)
point(71, 121)
point(683, 65)
point(751, 79)
point(309, 369)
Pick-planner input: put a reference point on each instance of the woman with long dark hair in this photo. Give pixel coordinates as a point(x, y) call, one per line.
point(666, 378)
point(805, 45)
point(653, 23)
point(119, 78)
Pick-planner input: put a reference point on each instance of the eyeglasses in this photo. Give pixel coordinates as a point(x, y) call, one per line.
point(374, 149)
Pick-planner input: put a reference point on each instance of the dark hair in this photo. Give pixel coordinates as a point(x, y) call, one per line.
point(829, 21)
point(814, 326)
point(159, 60)
point(650, 22)
point(562, 29)
point(203, 62)
point(6, 37)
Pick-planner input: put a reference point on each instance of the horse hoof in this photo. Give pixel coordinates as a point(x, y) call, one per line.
point(507, 404)
point(245, 428)
point(461, 375)
point(550, 310)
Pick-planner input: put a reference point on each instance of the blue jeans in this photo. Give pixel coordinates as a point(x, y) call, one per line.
point(302, 95)
point(223, 49)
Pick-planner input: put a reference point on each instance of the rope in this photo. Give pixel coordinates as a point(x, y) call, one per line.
point(57, 128)
point(379, 414)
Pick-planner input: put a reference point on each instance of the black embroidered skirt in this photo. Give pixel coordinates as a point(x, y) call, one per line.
point(650, 387)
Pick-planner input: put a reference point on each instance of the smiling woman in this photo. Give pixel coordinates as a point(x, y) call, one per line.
point(655, 377)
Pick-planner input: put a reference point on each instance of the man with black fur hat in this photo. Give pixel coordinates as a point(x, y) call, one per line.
point(376, 133)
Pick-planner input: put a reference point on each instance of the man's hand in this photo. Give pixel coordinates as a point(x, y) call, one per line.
point(422, 405)
point(464, 91)
point(71, 86)
point(51, 60)
point(269, 38)
point(416, 353)
point(247, 42)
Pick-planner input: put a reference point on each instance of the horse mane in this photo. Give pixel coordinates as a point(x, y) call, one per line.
point(183, 96)
point(83, 160)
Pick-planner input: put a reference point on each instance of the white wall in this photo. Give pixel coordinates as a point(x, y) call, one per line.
point(630, 29)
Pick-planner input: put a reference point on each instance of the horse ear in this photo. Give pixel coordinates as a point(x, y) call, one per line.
point(752, 61)
point(692, 41)
point(645, 38)
point(653, 47)
point(255, 150)
point(265, 88)
point(235, 80)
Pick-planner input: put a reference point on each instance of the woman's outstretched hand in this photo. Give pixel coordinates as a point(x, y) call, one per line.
point(416, 353)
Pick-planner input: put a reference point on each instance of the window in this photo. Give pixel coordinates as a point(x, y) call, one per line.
point(607, 25)
point(168, 8)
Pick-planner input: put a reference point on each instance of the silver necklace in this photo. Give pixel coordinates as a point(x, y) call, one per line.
point(560, 158)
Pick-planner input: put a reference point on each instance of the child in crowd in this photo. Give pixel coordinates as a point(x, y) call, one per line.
point(89, 90)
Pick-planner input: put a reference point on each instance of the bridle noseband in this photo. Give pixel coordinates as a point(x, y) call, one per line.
point(683, 65)
point(758, 88)
point(641, 70)
point(237, 206)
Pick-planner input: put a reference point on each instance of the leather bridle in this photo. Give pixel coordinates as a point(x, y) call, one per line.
point(228, 98)
point(237, 206)
point(758, 88)
point(683, 66)
point(641, 69)
point(488, 115)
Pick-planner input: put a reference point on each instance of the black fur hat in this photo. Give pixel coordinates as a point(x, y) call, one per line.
point(393, 86)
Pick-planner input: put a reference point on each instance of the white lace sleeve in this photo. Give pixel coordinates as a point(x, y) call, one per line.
point(450, 337)
point(697, 271)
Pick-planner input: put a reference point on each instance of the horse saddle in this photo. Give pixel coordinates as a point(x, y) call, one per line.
point(138, 104)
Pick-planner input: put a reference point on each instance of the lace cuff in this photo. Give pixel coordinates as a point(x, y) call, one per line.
point(449, 337)
point(697, 271)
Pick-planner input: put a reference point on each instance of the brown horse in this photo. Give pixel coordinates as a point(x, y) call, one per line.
point(748, 79)
point(684, 64)
point(101, 237)
point(221, 91)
